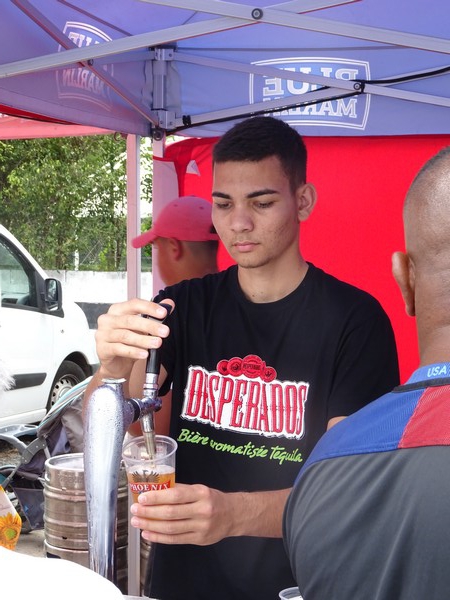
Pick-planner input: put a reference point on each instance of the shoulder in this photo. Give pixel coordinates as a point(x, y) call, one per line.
point(343, 296)
point(376, 427)
point(338, 285)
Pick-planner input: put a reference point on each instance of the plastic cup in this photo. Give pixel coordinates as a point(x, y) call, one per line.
point(145, 474)
point(292, 593)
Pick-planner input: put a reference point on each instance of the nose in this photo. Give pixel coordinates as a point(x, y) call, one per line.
point(241, 219)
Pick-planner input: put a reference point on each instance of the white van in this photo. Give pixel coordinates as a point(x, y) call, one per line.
point(45, 342)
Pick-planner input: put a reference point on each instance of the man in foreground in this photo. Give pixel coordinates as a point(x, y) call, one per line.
point(262, 357)
point(369, 516)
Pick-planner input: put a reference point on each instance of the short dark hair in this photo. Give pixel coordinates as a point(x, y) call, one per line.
point(258, 138)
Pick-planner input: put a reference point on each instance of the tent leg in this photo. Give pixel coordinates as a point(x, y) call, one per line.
point(165, 189)
point(133, 216)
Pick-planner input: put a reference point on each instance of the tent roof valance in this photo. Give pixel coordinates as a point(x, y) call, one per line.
point(328, 67)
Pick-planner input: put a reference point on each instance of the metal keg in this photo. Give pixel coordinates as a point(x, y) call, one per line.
point(65, 517)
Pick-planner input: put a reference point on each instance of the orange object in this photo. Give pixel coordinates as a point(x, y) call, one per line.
point(10, 522)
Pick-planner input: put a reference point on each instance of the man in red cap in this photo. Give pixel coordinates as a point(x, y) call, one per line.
point(185, 239)
point(186, 243)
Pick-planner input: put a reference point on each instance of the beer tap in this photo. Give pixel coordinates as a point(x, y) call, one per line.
point(151, 402)
point(108, 416)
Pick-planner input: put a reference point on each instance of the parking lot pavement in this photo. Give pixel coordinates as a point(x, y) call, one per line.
point(31, 543)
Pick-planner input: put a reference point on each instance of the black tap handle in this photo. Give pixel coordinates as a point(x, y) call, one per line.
point(154, 359)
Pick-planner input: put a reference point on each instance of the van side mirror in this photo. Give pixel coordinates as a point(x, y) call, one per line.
point(53, 295)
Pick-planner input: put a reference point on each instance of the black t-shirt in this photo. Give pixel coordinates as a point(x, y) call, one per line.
point(254, 386)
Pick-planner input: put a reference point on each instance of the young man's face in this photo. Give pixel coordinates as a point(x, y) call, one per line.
point(255, 212)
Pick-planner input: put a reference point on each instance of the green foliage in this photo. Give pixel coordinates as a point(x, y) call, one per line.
point(146, 251)
point(65, 199)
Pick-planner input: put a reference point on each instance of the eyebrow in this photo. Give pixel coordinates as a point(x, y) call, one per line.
point(256, 194)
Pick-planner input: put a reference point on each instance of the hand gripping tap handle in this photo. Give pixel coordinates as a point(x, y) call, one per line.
point(154, 358)
point(151, 402)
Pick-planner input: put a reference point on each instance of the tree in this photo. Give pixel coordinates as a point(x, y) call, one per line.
point(65, 199)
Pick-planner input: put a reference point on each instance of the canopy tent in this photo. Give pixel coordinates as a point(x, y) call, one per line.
point(348, 68)
point(331, 68)
point(18, 128)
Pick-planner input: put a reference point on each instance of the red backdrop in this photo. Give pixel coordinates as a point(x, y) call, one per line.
point(357, 222)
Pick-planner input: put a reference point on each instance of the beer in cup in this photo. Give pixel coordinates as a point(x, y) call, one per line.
point(145, 474)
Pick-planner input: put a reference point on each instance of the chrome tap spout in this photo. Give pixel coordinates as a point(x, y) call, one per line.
point(108, 416)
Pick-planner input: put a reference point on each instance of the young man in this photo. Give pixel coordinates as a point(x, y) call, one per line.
point(185, 239)
point(370, 514)
point(262, 358)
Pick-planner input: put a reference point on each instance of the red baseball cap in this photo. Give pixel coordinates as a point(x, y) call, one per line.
point(187, 218)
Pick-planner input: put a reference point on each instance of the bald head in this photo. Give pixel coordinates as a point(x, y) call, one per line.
point(423, 274)
point(427, 211)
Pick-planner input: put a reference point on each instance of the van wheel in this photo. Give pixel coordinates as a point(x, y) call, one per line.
point(68, 375)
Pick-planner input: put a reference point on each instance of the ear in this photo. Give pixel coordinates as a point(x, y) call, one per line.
point(306, 196)
point(404, 275)
point(176, 248)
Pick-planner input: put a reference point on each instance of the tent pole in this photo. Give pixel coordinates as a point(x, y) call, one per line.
point(159, 198)
point(133, 216)
point(133, 291)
